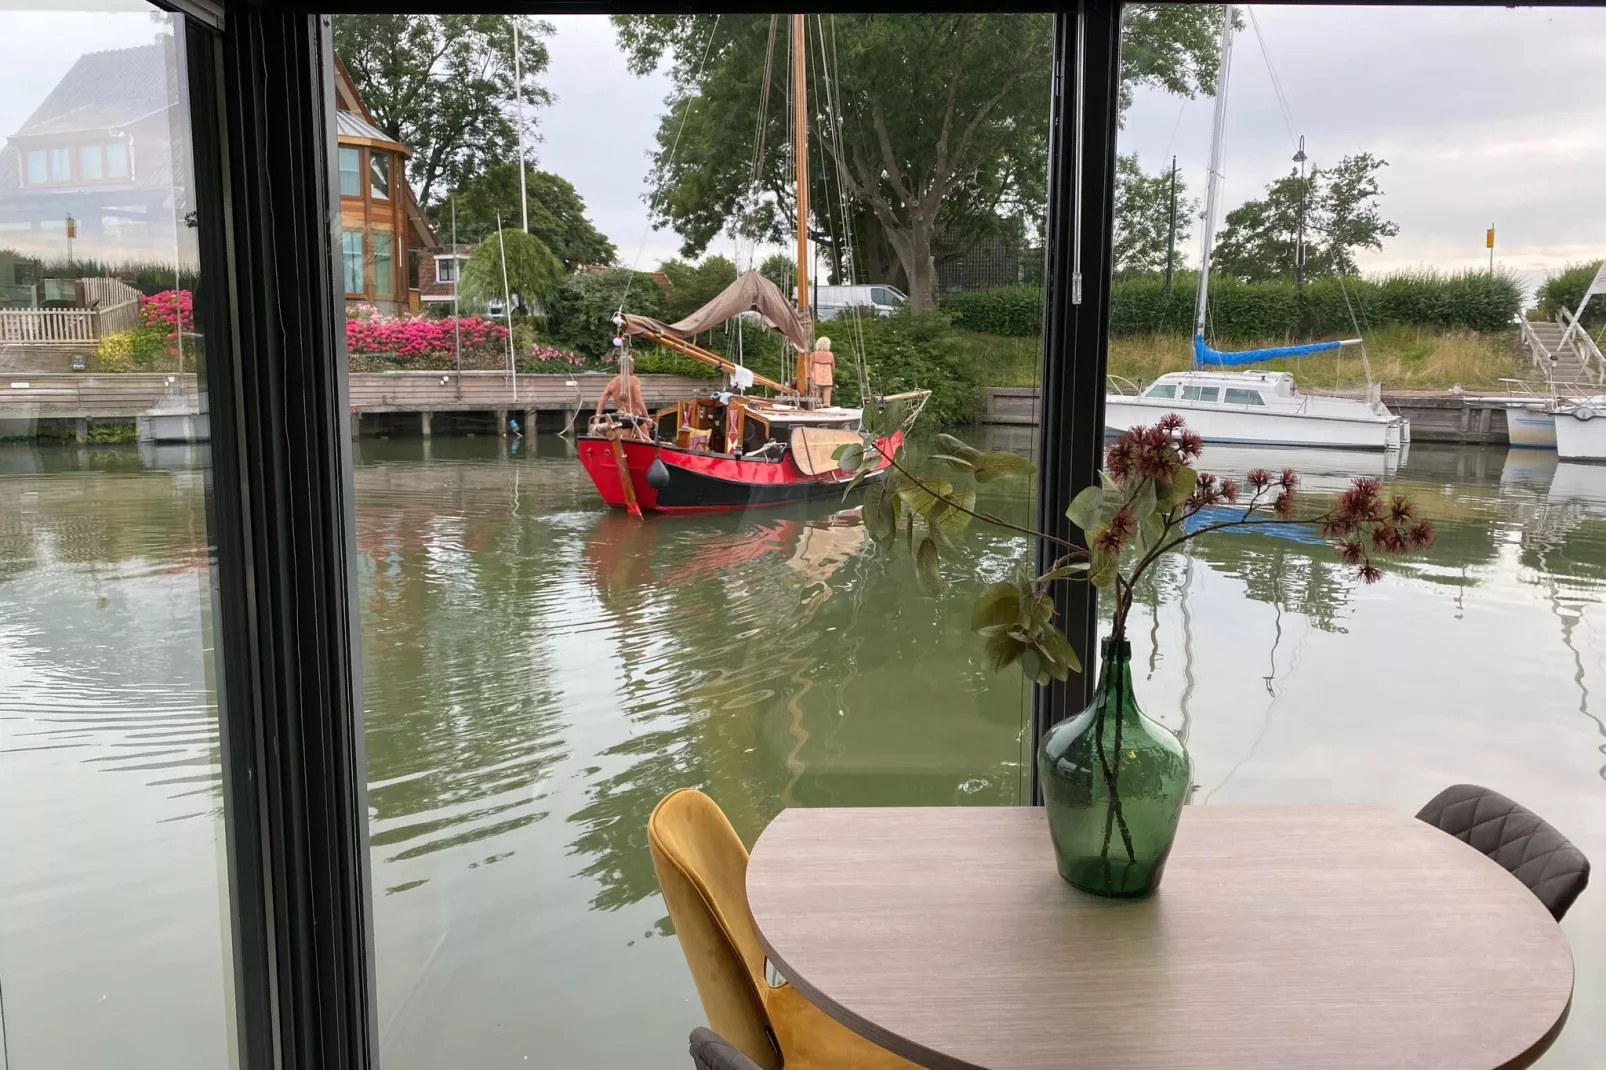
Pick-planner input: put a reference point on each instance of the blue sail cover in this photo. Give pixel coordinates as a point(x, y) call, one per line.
point(1203, 355)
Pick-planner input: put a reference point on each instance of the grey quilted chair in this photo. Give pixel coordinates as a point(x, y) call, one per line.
point(710, 1052)
point(1517, 838)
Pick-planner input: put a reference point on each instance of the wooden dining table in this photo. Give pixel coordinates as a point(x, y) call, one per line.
point(1281, 938)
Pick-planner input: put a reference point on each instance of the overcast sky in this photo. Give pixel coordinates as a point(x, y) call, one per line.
point(1486, 115)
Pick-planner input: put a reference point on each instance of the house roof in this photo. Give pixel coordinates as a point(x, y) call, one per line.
point(349, 125)
point(105, 90)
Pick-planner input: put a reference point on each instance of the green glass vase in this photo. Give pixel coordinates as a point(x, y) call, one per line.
point(1114, 782)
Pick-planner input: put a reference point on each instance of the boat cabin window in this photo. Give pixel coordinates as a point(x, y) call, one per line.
point(1165, 390)
point(1200, 393)
point(1244, 397)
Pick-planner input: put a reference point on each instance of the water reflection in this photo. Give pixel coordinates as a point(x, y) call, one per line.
point(539, 672)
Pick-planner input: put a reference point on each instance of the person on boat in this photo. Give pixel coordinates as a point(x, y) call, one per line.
point(624, 390)
point(821, 365)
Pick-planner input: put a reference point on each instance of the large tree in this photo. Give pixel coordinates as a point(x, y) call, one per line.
point(557, 213)
point(521, 262)
point(443, 85)
point(931, 126)
point(1342, 217)
point(1144, 214)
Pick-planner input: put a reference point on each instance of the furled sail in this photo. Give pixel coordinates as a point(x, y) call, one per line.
point(1204, 356)
point(751, 292)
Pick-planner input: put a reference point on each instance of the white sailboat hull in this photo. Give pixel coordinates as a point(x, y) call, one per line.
point(1261, 426)
point(1581, 439)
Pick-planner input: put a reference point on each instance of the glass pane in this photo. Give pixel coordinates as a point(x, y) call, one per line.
point(541, 668)
point(114, 911)
point(378, 175)
point(351, 260)
point(1169, 390)
point(1199, 393)
point(1357, 205)
point(350, 172)
point(384, 266)
point(89, 162)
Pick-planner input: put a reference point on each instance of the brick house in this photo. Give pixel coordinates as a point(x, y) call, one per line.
point(438, 272)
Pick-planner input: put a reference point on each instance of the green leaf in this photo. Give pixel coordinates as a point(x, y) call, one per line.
point(922, 498)
point(1180, 490)
point(1084, 510)
point(1063, 572)
point(1150, 532)
point(1142, 501)
point(1104, 568)
point(997, 608)
point(870, 419)
point(958, 464)
point(1058, 650)
point(1001, 464)
point(880, 513)
point(849, 457)
point(1031, 663)
point(951, 445)
point(926, 570)
point(953, 521)
point(1002, 651)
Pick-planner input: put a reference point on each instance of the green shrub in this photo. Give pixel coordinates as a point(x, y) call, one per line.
point(1006, 310)
point(142, 349)
point(1468, 300)
point(581, 314)
point(904, 352)
point(1565, 289)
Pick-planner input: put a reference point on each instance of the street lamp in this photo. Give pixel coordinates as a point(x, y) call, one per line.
point(1299, 235)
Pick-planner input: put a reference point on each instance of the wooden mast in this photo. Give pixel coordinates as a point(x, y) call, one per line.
point(800, 153)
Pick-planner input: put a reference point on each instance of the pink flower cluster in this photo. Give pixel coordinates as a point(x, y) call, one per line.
point(173, 309)
point(421, 336)
point(543, 352)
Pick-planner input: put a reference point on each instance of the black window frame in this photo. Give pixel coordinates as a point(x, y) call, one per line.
point(260, 95)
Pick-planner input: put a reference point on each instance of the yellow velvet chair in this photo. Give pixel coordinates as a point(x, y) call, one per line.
point(702, 871)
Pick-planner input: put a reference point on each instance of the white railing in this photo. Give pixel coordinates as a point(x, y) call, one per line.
point(1588, 351)
point(47, 326)
point(1536, 349)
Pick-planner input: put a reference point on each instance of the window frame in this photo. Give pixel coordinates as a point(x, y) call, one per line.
point(388, 272)
point(1258, 402)
point(379, 165)
point(355, 173)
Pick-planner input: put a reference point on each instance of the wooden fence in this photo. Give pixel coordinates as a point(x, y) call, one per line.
point(111, 306)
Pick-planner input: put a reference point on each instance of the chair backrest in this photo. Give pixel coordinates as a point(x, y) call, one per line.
point(702, 872)
point(711, 1052)
point(1517, 838)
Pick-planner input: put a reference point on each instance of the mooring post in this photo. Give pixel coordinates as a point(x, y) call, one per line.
point(501, 422)
point(81, 429)
point(423, 423)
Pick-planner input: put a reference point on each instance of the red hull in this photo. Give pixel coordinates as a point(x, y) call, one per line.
point(708, 482)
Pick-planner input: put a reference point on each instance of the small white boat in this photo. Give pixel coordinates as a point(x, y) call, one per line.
point(1581, 429)
point(1259, 408)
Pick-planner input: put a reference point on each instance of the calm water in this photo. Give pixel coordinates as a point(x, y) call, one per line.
point(538, 672)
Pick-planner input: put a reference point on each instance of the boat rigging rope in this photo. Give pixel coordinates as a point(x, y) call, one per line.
point(833, 98)
point(618, 316)
point(1276, 83)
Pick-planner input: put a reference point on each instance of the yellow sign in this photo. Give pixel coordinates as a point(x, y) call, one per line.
point(72, 227)
point(1488, 238)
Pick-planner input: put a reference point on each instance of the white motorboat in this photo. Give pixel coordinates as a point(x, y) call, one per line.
point(1581, 429)
point(1259, 408)
point(1252, 408)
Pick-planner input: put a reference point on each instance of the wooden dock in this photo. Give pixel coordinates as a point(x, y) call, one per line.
point(81, 398)
point(1465, 419)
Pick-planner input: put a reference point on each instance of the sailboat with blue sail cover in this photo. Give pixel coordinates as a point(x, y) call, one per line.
point(1262, 408)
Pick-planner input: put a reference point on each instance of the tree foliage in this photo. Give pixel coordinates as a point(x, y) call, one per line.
point(933, 127)
point(1342, 217)
point(1144, 215)
point(443, 85)
point(534, 273)
point(557, 213)
point(693, 286)
point(581, 314)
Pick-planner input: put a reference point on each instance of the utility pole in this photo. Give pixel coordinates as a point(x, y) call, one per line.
point(1299, 236)
point(1171, 240)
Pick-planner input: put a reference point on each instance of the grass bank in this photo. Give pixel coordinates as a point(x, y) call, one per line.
point(1402, 358)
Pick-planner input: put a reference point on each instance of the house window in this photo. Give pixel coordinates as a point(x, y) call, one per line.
point(37, 171)
point(350, 172)
point(351, 260)
point(61, 165)
point(1200, 393)
point(412, 267)
point(117, 160)
point(379, 175)
point(91, 163)
point(1244, 397)
point(445, 269)
point(384, 265)
point(1169, 390)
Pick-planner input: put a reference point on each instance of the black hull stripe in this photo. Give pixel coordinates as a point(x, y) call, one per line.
point(696, 490)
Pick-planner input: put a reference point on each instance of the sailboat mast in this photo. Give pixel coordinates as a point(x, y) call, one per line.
point(800, 154)
point(1213, 186)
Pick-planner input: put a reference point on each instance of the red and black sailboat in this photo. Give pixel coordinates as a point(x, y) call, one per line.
point(731, 449)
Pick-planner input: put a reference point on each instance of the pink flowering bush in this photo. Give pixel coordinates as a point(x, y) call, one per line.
point(419, 341)
point(172, 309)
point(543, 354)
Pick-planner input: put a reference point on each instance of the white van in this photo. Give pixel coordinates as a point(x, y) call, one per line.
point(829, 302)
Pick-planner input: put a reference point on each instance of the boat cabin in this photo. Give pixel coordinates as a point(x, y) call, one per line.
point(1226, 388)
point(738, 426)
